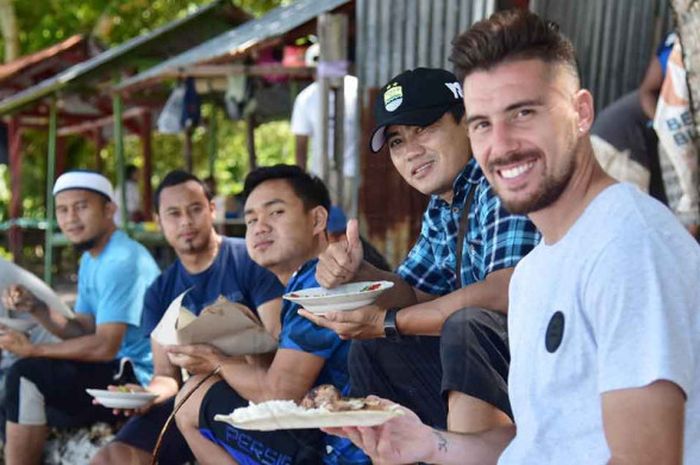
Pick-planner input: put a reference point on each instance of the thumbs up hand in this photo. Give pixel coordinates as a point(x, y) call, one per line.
point(339, 263)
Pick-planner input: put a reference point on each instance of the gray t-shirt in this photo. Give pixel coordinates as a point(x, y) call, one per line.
point(612, 305)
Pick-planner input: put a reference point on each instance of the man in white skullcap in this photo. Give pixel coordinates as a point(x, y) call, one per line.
point(46, 387)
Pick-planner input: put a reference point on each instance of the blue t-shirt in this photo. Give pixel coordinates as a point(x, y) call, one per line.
point(299, 333)
point(111, 288)
point(232, 274)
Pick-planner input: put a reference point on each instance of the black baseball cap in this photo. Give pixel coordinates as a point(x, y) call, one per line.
point(416, 97)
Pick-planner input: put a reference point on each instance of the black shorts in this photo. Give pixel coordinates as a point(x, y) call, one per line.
point(470, 356)
point(302, 447)
point(142, 432)
point(62, 385)
point(407, 372)
point(475, 356)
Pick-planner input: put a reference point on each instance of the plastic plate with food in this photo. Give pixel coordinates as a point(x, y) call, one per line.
point(322, 408)
point(121, 398)
point(345, 297)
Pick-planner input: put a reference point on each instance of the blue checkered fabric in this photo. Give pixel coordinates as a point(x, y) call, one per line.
point(495, 239)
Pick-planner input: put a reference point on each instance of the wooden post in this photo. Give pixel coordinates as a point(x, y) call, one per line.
point(333, 39)
point(250, 142)
point(14, 136)
point(147, 172)
point(99, 145)
point(188, 149)
point(50, 175)
point(117, 110)
point(60, 155)
point(213, 143)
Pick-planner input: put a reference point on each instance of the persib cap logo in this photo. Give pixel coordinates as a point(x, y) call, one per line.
point(393, 97)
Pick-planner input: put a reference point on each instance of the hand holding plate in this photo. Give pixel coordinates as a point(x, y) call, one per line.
point(363, 323)
point(402, 439)
point(131, 388)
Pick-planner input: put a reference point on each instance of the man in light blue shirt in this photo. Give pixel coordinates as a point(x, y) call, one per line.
point(47, 386)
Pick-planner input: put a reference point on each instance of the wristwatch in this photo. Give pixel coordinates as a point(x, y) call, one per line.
point(391, 332)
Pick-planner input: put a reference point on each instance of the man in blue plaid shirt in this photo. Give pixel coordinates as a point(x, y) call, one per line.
point(420, 116)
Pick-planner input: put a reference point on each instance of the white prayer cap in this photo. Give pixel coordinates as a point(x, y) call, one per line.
point(86, 180)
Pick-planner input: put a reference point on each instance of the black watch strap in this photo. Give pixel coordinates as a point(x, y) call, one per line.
point(391, 332)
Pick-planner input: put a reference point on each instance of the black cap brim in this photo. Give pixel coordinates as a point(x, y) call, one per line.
point(421, 117)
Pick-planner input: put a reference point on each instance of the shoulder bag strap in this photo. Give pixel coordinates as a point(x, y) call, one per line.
point(463, 222)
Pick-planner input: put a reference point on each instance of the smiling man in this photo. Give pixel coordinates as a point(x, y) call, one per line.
point(207, 266)
point(47, 387)
point(286, 211)
point(603, 316)
point(454, 282)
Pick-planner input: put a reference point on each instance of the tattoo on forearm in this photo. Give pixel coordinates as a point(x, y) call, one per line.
point(442, 441)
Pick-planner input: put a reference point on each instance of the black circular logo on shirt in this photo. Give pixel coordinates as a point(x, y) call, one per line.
point(555, 332)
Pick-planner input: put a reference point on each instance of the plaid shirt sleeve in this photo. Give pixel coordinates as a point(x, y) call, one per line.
point(500, 239)
point(420, 268)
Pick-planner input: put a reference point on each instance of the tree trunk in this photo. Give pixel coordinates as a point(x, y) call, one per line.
point(10, 34)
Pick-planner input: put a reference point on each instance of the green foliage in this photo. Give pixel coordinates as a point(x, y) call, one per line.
point(113, 22)
point(4, 191)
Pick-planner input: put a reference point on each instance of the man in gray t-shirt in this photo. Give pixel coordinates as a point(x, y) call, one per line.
point(603, 318)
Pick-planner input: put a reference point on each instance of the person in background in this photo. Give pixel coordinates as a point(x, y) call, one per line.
point(134, 207)
point(219, 202)
point(306, 125)
point(47, 386)
point(650, 88)
point(210, 266)
point(37, 335)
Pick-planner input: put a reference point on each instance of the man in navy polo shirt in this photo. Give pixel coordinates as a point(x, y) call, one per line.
point(209, 266)
point(286, 211)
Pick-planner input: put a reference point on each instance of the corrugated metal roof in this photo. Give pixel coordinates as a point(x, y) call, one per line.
point(392, 36)
point(614, 41)
point(110, 60)
point(236, 41)
point(11, 69)
point(396, 35)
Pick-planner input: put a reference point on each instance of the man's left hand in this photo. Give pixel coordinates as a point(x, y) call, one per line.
point(196, 358)
point(15, 342)
point(362, 323)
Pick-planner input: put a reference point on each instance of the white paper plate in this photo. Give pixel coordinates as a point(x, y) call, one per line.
point(117, 399)
point(313, 419)
point(18, 324)
point(346, 297)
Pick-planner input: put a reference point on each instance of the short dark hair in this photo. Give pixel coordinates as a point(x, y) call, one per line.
point(130, 170)
point(457, 111)
point(511, 35)
point(174, 178)
point(309, 188)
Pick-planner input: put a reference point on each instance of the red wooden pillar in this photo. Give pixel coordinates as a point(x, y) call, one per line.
point(14, 133)
point(147, 172)
point(60, 156)
point(99, 145)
